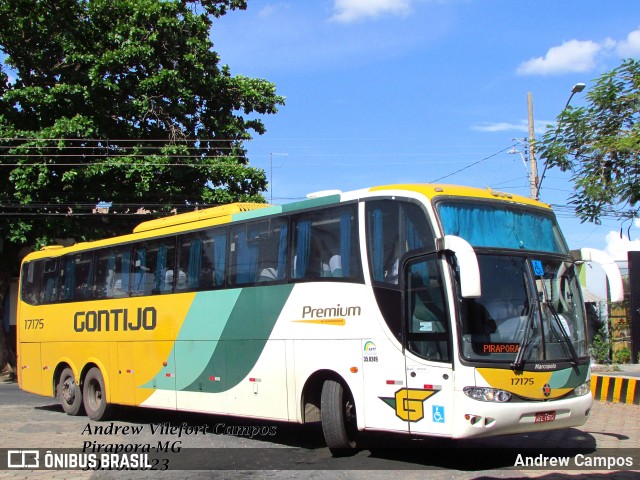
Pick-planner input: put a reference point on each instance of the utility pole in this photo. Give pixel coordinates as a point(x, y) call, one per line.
point(533, 166)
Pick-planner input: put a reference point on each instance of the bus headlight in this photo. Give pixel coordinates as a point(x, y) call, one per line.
point(486, 394)
point(583, 389)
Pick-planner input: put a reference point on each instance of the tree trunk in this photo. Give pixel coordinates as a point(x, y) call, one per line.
point(7, 350)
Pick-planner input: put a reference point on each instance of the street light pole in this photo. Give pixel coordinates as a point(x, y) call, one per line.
point(577, 88)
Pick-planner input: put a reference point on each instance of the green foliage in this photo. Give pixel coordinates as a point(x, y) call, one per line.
point(622, 356)
point(120, 101)
point(600, 348)
point(599, 143)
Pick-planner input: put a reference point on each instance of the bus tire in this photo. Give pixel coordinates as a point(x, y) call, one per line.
point(95, 395)
point(338, 415)
point(69, 393)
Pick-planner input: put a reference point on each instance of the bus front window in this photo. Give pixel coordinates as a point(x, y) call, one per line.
point(529, 311)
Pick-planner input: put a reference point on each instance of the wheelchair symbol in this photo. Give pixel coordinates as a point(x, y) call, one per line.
point(437, 414)
point(538, 269)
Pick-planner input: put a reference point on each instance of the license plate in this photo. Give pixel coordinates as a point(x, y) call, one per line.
point(545, 417)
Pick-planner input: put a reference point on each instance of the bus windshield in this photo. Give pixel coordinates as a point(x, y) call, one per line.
point(501, 225)
point(530, 311)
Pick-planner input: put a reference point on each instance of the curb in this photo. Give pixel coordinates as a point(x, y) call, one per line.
point(615, 389)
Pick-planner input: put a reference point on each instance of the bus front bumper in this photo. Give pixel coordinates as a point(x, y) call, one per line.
point(476, 419)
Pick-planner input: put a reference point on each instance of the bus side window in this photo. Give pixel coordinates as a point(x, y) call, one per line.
point(243, 257)
point(153, 265)
point(84, 276)
point(201, 260)
point(272, 252)
point(28, 291)
point(326, 244)
point(139, 270)
point(50, 288)
point(159, 273)
point(259, 252)
point(77, 276)
point(39, 286)
point(112, 272)
point(190, 250)
point(393, 229)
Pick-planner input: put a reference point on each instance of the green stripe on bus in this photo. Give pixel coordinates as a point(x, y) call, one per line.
point(260, 212)
point(314, 202)
point(569, 378)
point(247, 330)
point(198, 336)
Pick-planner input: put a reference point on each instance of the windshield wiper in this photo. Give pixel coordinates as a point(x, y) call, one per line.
point(526, 339)
point(563, 333)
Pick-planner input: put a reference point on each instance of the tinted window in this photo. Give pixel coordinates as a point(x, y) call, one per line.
point(326, 245)
point(501, 225)
point(258, 252)
point(393, 229)
point(113, 272)
point(201, 260)
point(428, 332)
point(77, 276)
point(153, 266)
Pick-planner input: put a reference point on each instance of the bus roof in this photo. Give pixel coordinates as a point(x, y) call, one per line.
point(433, 190)
point(224, 214)
point(198, 215)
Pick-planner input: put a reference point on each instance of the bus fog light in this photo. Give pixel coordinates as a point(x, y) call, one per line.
point(486, 394)
point(583, 389)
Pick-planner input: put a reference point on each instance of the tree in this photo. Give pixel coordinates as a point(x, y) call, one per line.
point(123, 102)
point(600, 144)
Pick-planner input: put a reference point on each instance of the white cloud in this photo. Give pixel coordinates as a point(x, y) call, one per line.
point(571, 56)
point(539, 126)
point(618, 247)
point(577, 56)
point(271, 10)
point(347, 11)
point(501, 127)
point(631, 46)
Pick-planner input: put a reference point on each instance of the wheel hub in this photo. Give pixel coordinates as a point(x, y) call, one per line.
point(69, 391)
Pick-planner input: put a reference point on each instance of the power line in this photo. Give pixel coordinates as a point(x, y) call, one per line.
point(472, 164)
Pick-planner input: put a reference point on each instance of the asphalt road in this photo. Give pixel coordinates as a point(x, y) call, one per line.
point(235, 448)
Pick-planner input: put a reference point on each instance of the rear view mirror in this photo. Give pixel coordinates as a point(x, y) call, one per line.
point(467, 263)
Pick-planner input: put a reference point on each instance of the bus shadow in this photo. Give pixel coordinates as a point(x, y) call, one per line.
point(308, 436)
point(483, 454)
point(54, 407)
point(377, 450)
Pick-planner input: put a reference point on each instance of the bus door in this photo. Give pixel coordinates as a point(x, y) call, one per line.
point(428, 396)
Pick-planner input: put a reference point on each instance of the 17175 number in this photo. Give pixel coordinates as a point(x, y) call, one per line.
point(522, 381)
point(34, 324)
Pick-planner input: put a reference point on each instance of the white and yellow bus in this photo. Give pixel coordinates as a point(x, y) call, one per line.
point(427, 309)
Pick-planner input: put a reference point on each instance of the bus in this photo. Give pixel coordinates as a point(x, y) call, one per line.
point(430, 310)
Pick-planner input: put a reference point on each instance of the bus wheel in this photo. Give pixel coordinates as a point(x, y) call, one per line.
point(338, 414)
point(95, 396)
point(69, 393)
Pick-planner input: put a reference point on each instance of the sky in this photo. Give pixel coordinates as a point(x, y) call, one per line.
point(394, 91)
